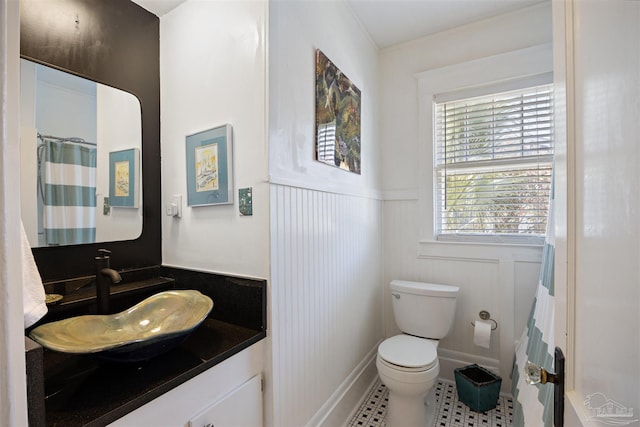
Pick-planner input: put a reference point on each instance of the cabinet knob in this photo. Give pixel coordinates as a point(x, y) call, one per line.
point(209, 425)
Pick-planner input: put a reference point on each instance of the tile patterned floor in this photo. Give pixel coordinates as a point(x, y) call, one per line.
point(451, 412)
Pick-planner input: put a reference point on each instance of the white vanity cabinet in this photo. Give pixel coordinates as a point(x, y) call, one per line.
point(226, 395)
point(242, 407)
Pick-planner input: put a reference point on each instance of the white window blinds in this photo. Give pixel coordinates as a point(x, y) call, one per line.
point(493, 165)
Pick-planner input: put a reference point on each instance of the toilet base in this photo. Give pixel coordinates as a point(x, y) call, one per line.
point(411, 411)
point(409, 391)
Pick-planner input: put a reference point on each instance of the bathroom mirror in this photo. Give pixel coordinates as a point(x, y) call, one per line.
point(80, 144)
point(115, 43)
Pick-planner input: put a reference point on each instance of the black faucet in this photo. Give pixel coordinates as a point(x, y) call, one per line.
point(105, 276)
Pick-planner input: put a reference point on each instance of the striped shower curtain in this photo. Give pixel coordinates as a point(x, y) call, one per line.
point(69, 193)
point(533, 404)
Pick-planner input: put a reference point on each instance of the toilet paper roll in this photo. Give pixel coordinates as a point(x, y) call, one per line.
point(482, 333)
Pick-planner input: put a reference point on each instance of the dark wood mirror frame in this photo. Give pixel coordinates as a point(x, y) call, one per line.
point(117, 43)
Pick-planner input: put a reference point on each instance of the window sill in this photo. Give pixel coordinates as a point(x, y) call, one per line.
point(479, 251)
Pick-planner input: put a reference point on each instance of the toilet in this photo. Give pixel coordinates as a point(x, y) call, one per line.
point(408, 363)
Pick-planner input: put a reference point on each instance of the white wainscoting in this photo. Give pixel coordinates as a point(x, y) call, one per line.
point(498, 278)
point(325, 297)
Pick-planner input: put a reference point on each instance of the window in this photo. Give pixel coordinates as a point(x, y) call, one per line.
point(492, 166)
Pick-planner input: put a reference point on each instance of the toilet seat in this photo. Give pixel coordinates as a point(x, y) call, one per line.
point(408, 353)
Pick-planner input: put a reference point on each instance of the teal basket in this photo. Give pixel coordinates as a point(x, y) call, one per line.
point(477, 387)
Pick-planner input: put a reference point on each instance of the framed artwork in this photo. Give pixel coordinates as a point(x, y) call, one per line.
point(209, 167)
point(338, 105)
point(124, 178)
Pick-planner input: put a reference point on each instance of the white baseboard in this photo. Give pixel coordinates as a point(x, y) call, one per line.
point(340, 407)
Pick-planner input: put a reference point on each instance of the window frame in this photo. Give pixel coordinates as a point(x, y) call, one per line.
point(499, 90)
point(473, 76)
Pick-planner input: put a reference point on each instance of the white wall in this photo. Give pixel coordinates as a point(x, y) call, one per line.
point(500, 280)
point(325, 223)
point(325, 287)
point(13, 397)
point(213, 72)
point(603, 111)
point(213, 68)
point(297, 29)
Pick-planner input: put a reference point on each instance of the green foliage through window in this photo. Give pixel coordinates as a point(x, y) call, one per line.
point(493, 163)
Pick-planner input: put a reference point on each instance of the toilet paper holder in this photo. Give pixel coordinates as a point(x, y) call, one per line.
point(485, 315)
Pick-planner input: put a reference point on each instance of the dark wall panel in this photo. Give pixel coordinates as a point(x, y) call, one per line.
point(117, 43)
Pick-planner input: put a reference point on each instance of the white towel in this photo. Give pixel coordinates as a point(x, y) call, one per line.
point(33, 296)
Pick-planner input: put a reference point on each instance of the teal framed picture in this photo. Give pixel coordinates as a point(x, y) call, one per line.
point(209, 167)
point(124, 178)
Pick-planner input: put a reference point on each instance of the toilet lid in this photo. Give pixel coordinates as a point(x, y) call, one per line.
point(409, 351)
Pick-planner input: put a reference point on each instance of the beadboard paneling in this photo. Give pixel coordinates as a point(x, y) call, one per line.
point(326, 295)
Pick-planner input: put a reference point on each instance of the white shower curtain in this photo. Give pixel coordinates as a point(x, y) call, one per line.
point(69, 193)
point(533, 404)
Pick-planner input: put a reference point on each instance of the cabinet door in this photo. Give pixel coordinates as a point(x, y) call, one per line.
point(241, 407)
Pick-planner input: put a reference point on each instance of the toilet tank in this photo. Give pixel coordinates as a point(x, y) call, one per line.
point(424, 309)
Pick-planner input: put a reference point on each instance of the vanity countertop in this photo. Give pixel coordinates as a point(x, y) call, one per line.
point(84, 390)
point(94, 392)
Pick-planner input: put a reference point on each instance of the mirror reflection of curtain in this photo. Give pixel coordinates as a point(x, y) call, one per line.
point(69, 192)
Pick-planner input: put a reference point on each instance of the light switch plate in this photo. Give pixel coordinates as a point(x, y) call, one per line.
point(177, 200)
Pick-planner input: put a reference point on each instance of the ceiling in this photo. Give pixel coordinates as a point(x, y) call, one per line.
point(159, 7)
point(391, 22)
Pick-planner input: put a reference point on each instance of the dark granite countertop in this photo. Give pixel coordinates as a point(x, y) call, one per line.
point(83, 390)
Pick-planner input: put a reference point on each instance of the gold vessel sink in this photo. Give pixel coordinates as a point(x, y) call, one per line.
point(150, 327)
